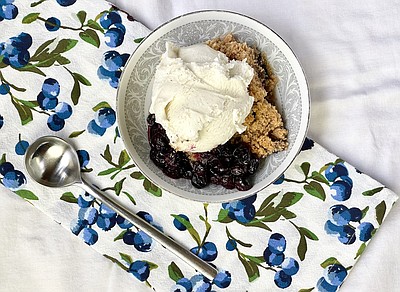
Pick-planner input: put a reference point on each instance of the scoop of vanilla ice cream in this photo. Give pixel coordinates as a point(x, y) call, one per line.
point(200, 97)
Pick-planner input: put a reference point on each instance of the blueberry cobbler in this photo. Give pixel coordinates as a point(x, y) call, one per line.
point(212, 116)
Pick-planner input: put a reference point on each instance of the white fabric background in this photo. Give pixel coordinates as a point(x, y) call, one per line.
point(349, 51)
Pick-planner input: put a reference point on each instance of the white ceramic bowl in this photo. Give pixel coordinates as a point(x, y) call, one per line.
point(134, 96)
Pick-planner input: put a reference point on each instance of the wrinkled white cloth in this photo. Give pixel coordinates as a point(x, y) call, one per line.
point(349, 52)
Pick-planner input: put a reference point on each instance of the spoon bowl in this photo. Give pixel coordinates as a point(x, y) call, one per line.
point(53, 162)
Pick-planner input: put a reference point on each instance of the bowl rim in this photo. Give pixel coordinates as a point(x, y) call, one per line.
point(202, 197)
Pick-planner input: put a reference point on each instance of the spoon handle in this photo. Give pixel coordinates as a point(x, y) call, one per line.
point(190, 258)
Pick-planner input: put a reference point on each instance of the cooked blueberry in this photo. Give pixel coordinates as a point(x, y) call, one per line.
point(242, 184)
point(199, 180)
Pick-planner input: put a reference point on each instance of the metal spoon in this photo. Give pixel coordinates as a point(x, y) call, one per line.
point(52, 162)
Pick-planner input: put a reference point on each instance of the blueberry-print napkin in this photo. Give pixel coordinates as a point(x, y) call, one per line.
point(60, 63)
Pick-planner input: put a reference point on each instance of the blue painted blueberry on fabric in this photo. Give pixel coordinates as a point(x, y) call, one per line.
point(19, 60)
point(46, 103)
point(140, 269)
point(308, 144)
point(129, 237)
point(145, 216)
point(282, 280)
point(178, 288)
point(105, 117)
point(106, 211)
point(63, 110)
point(8, 11)
point(4, 88)
point(142, 242)
point(14, 179)
point(332, 229)
point(85, 200)
point(1, 121)
point(95, 129)
point(290, 266)
point(277, 243)
point(335, 274)
point(15, 51)
point(88, 215)
point(280, 180)
point(339, 215)
point(77, 226)
point(341, 190)
point(52, 24)
point(21, 147)
point(242, 211)
point(355, 214)
point(366, 230)
point(66, 2)
point(114, 37)
point(111, 68)
point(55, 123)
point(89, 235)
point(83, 157)
point(223, 279)
point(109, 18)
point(185, 283)
point(123, 223)
point(231, 244)
point(105, 223)
point(6, 167)
point(324, 286)
point(335, 171)
point(207, 252)
point(200, 283)
point(347, 235)
point(273, 259)
point(112, 61)
point(178, 224)
point(51, 88)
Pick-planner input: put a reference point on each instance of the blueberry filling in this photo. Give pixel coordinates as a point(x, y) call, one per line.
point(229, 165)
